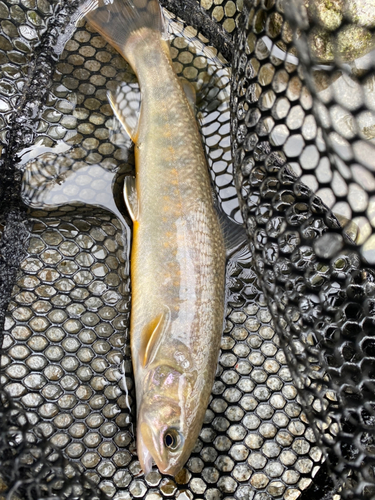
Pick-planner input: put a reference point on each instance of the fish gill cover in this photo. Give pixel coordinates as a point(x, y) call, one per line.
point(295, 376)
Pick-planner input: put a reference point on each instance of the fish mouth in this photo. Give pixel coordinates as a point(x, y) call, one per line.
point(150, 450)
point(148, 441)
point(144, 456)
point(170, 468)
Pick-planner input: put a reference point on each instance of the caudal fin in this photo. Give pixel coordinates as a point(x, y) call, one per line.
point(116, 20)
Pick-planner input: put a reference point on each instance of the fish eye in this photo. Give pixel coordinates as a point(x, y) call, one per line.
point(172, 439)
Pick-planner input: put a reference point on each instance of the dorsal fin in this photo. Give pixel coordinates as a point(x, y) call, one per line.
point(235, 237)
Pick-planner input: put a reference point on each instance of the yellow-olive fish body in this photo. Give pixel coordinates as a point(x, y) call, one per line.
point(178, 255)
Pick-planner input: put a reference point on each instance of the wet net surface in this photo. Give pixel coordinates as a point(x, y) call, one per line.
point(304, 162)
point(294, 380)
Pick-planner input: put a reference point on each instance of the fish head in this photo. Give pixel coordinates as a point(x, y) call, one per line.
point(161, 438)
point(164, 431)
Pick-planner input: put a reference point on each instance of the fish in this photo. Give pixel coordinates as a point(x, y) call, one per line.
point(178, 254)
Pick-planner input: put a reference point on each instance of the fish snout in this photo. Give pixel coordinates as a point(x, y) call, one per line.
point(156, 445)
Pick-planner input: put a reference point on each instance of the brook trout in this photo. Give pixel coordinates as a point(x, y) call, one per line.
point(178, 254)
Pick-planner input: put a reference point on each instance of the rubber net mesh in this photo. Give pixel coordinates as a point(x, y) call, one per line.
point(291, 414)
point(303, 143)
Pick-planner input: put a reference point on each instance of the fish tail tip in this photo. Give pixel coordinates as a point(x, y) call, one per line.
point(116, 20)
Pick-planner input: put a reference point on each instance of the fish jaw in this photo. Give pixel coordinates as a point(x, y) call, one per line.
point(151, 448)
point(171, 468)
point(144, 456)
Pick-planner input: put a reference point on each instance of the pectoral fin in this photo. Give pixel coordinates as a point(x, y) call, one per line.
point(150, 336)
point(131, 197)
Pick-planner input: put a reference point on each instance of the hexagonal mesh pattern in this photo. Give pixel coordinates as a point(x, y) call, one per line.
point(303, 149)
point(63, 353)
point(64, 338)
point(300, 146)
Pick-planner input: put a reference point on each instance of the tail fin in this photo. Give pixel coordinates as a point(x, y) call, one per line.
point(116, 20)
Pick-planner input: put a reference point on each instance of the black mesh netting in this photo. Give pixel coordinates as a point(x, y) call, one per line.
point(292, 408)
point(303, 152)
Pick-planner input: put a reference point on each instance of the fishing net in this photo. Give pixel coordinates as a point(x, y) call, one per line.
point(291, 413)
point(303, 143)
